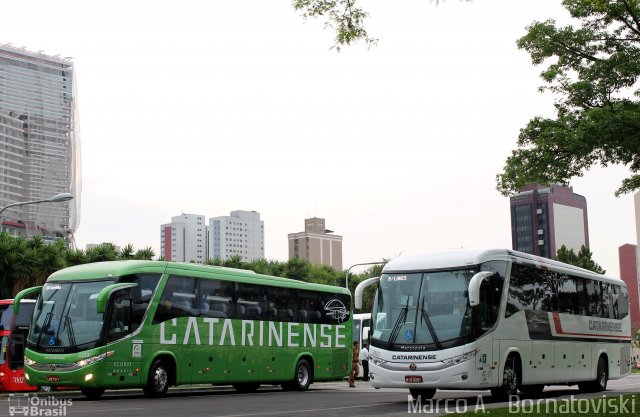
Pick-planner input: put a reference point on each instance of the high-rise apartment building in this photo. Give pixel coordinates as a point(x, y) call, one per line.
point(629, 274)
point(39, 144)
point(543, 218)
point(184, 239)
point(240, 234)
point(316, 244)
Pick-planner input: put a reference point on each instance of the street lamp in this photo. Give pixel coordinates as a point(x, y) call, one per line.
point(58, 198)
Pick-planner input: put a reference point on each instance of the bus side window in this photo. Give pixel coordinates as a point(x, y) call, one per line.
point(490, 295)
point(3, 349)
point(120, 319)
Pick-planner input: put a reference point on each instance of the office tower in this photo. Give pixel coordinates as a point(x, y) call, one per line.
point(184, 239)
point(316, 244)
point(543, 218)
point(629, 274)
point(240, 234)
point(39, 143)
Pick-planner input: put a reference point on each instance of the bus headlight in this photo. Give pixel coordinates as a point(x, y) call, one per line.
point(461, 358)
point(90, 361)
point(29, 362)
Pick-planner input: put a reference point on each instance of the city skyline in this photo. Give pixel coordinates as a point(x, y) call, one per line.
point(398, 145)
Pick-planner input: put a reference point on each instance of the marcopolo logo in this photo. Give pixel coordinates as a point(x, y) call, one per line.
point(32, 405)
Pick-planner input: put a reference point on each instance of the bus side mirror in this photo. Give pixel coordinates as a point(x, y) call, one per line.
point(365, 333)
point(474, 287)
point(105, 293)
point(21, 295)
point(360, 290)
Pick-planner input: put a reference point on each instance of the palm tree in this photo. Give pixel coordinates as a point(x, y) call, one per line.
point(145, 254)
point(127, 252)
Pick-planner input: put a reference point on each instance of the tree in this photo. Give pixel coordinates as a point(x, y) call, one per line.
point(592, 69)
point(344, 16)
point(582, 259)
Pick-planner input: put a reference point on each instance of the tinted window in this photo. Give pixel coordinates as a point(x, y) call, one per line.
point(216, 298)
point(522, 294)
point(24, 316)
point(141, 295)
point(567, 294)
point(178, 299)
point(282, 304)
point(622, 302)
point(252, 303)
point(6, 314)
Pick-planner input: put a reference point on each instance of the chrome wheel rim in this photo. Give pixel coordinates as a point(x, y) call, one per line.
point(511, 380)
point(160, 379)
point(303, 375)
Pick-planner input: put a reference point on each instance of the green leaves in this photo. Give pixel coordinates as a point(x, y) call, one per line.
point(343, 16)
point(582, 259)
point(593, 69)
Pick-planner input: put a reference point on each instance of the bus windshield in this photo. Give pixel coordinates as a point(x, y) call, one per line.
point(6, 314)
point(425, 309)
point(66, 317)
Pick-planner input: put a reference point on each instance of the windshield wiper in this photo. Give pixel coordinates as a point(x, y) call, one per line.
point(72, 336)
point(402, 318)
point(425, 316)
point(45, 325)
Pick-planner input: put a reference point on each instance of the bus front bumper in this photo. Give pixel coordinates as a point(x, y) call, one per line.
point(82, 377)
point(458, 376)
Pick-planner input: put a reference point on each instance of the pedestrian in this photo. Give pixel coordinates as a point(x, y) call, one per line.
point(355, 369)
point(364, 360)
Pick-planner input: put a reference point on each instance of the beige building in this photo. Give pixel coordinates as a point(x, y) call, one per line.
point(316, 244)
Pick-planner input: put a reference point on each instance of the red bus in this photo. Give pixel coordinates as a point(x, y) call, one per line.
point(13, 336)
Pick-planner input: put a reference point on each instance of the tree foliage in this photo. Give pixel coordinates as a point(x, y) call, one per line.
point(593, 68)
point(28, 262)
point(345, 17)
point(582, 259)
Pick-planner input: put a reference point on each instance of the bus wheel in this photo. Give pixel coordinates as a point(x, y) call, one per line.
point(510, 380)
point(247, 387)
point(420, 394)
point(600, 383)
point(158, 380)
point(92, 393)
point(301, 379)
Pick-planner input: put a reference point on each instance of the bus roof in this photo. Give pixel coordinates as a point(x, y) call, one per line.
point(119, 268)
point(460, 258)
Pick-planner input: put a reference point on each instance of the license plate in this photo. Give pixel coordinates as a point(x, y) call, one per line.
point(412, 379)
point(53, 378)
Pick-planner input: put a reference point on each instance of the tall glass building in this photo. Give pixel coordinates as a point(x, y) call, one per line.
point(39, 143)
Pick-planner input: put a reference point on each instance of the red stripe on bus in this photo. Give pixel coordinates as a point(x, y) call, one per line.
point(558, 325)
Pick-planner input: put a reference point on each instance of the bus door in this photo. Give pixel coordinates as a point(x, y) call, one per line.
point(488, 358)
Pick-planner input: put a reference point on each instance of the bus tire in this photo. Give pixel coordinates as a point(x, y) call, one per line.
point(302, 377)
point(92, 393)
point(510, 380)
point(247, 387)
point(420, 394)
point(158, 380)
point(600, 383)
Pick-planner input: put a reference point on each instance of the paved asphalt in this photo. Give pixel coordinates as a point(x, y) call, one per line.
point(322, 400)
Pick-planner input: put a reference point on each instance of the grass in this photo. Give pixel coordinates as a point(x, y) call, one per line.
point(622, 406)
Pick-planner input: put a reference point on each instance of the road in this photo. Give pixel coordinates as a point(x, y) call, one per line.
point(322, 400)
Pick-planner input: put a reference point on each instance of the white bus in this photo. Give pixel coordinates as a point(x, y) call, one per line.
point(495, 319)
point(361, 329)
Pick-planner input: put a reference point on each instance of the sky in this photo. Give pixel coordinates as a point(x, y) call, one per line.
point(209, 106)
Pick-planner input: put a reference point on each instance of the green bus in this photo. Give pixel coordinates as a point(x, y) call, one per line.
point(154, 324)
